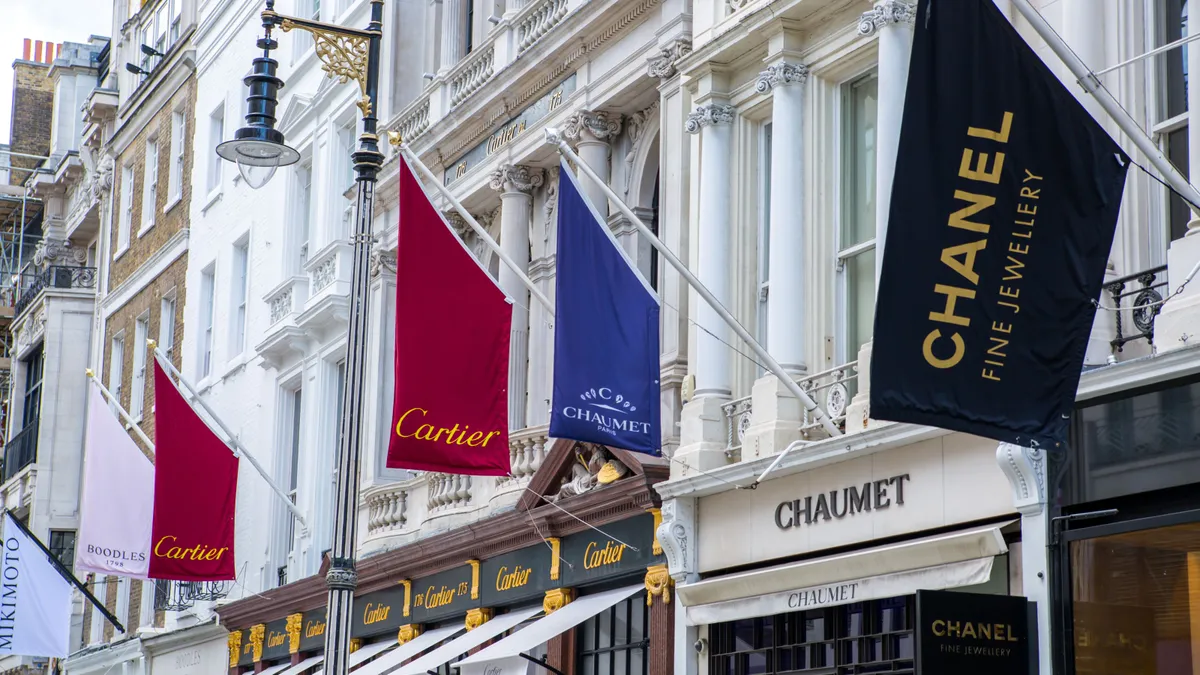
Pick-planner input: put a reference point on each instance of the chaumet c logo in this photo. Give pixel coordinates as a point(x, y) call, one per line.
point(609, 410)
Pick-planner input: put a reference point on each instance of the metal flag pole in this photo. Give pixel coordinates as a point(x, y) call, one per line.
point(66, 573)
point(1091, 84)
point(231, 438)
point(555, 139)
point(124, 414)
point(466, 215)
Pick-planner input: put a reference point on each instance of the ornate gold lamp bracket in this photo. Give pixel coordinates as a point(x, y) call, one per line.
point(344, 52)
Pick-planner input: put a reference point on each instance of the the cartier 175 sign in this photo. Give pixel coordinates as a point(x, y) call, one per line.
point(837, 504)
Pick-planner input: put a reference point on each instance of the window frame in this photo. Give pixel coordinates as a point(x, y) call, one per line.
point(35, 363)
point(240, 289)
point(57, 549)
point(116, 365)
point(302, 218)
point(1164, 125)
point(166, 322)
point(178, 150)
point(137, 392)
point(125, 219)
point(595, 624)
point(216, 134)
point(844, 256)
point(208, 288)
point(762, 270)
point(149, 186)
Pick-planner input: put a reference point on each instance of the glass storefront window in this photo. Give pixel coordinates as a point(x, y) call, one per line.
point(1136, 602)
point(617, 640)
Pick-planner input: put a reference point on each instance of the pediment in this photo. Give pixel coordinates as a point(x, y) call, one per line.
point(294, 111)
point(573, 468)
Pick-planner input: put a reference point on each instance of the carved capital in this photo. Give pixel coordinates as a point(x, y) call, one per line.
point(341, 575)
point(586, 125)
point(556, 599)
point(408, 633)
point(1025, 469)
point(709, 114)
point(664, 65)
point(294, 623)
point(477, 617)
point(235, 648)
point(355, 644)
point(257, 633)
point(658, 584)
point(382, 260)
point(887, 13)
point(516, 178)
point(781, 74)
point(677, 537)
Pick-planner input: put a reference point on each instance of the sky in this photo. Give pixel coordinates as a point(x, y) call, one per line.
point(49, 20)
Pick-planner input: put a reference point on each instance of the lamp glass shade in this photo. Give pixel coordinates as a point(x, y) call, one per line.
point(255, 176)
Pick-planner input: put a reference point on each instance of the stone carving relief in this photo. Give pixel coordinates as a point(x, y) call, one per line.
point(598, 468)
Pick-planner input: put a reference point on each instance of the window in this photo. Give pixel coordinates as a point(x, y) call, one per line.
point(176, 19)
point(175, 177)
point(116, 366)
point(764, 233)
point(856, 249)
point(1172, 123)
point(62, 546)
point(294, 409)
point(137, 396)
point(216, 133)
point(303, 42)
point(160, 27)
point(166, 325)
point(241, 256)
point(32, 407)
point(207, 286)
point(862, 637)
point(150, 186)
point(617, 640)
point(303, 206)
point(469, 40)
point(125, 221)
point(147, 63)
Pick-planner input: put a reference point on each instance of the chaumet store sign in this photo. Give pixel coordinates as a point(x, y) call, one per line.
point(624, 548)
point(516, 126)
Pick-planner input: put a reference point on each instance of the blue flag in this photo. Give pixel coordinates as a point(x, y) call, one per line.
point(605, 335)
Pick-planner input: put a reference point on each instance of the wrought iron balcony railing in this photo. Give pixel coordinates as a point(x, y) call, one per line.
point(1144, 307)
point(21, 451)
point(177, 596)
point(55, 276)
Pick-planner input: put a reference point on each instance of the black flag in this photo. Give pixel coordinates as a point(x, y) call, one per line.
point(1003, 211)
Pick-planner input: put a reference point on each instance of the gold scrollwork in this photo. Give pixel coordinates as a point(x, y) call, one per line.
point(477, 617)
point(474, 578)
point(658, 583)
point(657, 513)
point(355, 644)
point(407, 584)
point(555, 557)
point(257, 633)
point(235, 648)
point(294, 623)
point(408, 633)
point(556, 599)
point(343, 57)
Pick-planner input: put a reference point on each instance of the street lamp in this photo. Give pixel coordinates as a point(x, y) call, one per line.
point(346, 54)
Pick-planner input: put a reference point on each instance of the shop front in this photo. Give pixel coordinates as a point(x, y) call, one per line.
point(872, 564)
point(1126, 535)
point(575, 586)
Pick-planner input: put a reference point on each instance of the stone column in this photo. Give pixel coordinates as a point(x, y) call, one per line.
point(893, 21)
point(702, 424)
point(454, 18)
point(776, 414)
point(516, 184)
point(591, 133)
point(1026, 471)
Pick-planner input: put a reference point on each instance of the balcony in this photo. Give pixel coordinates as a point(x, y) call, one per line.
point(177, 596)
point(1137, 299)
point(54, 277)
point(830, 389)
point(328, 272)
point(284, 302)
point(21, 451)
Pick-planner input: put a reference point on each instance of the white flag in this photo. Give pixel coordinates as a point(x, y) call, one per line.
point(35, 600)
point(117, 505)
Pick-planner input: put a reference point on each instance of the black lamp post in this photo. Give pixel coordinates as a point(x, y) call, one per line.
point(346, 54)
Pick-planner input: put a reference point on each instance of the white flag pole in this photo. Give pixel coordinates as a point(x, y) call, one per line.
point(553, 138)
point(231, 439)
point(479, 231)
point(124, 414)
point(1091, 84)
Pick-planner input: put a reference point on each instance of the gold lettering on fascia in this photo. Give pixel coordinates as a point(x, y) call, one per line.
point(510, 578)
point(314, 628)
point(441, 595)
point(594, 556)
point(375, 612)
point(276, 639)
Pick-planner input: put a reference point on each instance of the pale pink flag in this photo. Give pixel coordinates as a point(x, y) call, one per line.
point(117, 507)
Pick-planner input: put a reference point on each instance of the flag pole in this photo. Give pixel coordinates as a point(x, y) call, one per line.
point(479, 231)
point(124, 414)
point(1091, 83)
point(66, 573)
point(555, 139)
point(232, 439)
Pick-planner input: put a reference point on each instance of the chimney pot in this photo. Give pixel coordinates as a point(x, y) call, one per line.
point(28, 46)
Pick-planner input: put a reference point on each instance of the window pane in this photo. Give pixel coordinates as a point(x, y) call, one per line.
point(1177, 152)
point(858, 220)
point(1174, 27)
point(860, 301)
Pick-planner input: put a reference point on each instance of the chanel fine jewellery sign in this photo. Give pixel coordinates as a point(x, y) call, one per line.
point(972, 633)
point(837, 504)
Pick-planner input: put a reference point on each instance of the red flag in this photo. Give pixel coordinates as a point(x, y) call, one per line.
point(450, 411)
point(195, 492)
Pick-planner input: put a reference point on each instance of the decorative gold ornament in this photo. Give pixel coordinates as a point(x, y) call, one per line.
point(658, 582)
point(407, 584)
point(343, 55)
point(477, 617)
point(474, 578)
point(408, 633)
point(556, 599)
point(555, 557)
point(608, 473)
point(235, 648)
point(355, 644)
point(294, 623)
point(394, 138)
point(657, 513)
point(257, 633)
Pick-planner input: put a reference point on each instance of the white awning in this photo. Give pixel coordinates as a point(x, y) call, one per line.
point(303, 665)
point(505, 655)
point(275, 668)
point(408, 650)
point(898, 569)
point(367, 651)
point(467, 641)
